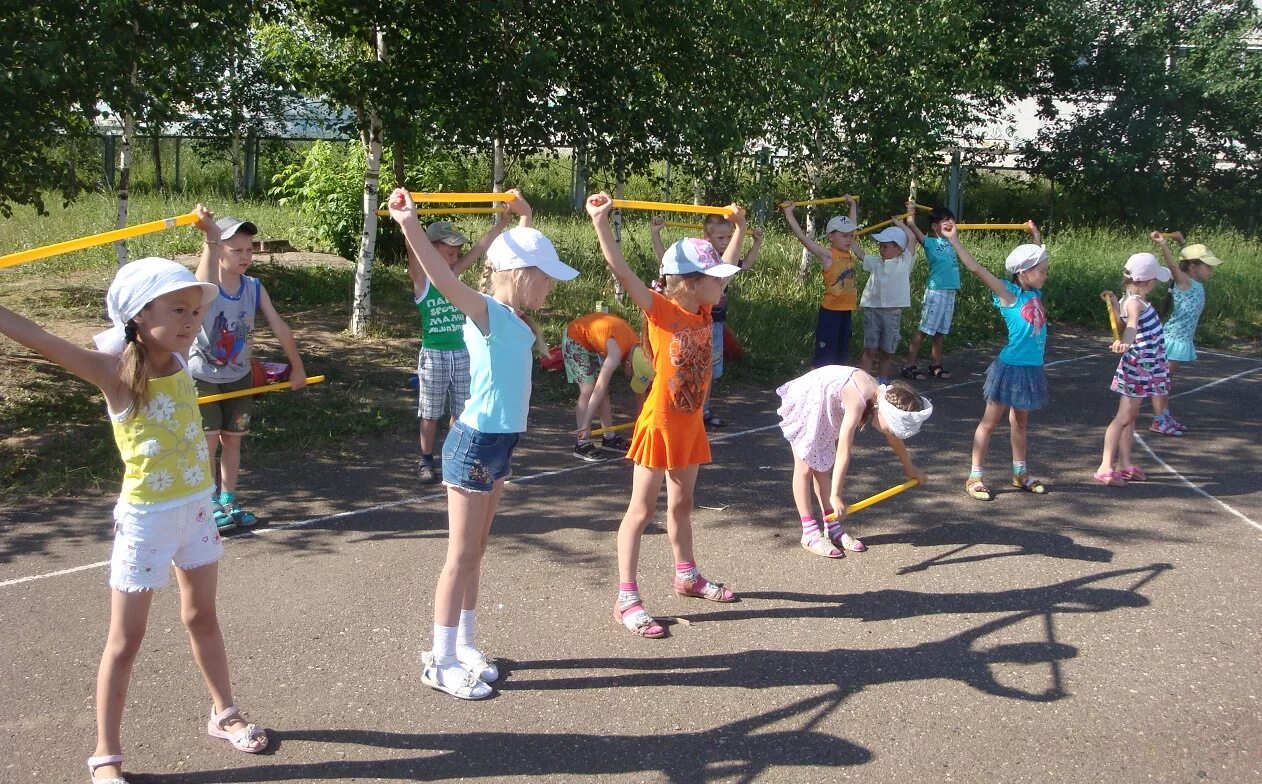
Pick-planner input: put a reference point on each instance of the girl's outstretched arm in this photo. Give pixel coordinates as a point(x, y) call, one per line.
point(824, 255)
point(904, 457)
point(733, 253)
point(855, 404)
point(95, 367)
point(984, 275)
point(656, 224)
point(470, 302)
point(1180, 277)
point(1131, 309)
point(613, 360)
point(598, 207)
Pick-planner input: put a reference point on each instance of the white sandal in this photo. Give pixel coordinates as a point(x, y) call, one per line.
point(102, 761)
point(480, 665)
point(242, 739)
point(469, 686)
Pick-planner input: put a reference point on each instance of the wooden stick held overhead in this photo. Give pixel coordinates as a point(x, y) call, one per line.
point(127, 232)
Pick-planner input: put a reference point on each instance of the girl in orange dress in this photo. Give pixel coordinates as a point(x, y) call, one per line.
point(669, 441)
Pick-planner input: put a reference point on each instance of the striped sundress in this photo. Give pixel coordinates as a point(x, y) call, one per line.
point(1143, 371)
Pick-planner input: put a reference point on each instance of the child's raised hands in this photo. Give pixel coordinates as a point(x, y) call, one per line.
point(736, 214)
point(206, 223)
point(402, 208)
point(657, 223)
point(519, 205)
point(788, 205)
point(598, 205)
point(1158, 237)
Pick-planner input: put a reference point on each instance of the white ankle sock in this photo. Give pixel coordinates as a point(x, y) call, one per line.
point(465, 633)
point(444, 644)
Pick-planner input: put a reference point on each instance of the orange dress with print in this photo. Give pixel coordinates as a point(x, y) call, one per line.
point(669, 432)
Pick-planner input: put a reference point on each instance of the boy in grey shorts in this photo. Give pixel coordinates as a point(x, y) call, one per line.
point(887, 292)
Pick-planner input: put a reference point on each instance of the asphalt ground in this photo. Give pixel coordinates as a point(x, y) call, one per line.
point(1090, 634)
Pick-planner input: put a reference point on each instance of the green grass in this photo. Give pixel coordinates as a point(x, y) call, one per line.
point(54, 439)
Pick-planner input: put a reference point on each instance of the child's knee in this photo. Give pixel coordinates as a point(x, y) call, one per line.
point(199, 620)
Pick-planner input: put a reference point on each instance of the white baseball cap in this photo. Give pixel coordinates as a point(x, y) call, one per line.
point(1025, 257)
point(522, 247)
point(840, 223)
point(691, 255)
point(1144, 266)
point(892, 234)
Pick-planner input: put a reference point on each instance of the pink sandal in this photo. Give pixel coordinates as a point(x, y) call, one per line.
point(246, 739)
point(637, 620)
point(701, 588)
point(1134, 474)
point(102, 761)
point(1111, 478)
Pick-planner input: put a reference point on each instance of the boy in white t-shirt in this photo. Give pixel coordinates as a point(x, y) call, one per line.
point(887, 292)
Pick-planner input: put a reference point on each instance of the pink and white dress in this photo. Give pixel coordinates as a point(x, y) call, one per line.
point(811, 410)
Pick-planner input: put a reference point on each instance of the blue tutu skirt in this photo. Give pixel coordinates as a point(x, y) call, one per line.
point(1020, 386)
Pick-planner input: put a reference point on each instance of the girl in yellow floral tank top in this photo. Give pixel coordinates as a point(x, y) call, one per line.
point(163, 512)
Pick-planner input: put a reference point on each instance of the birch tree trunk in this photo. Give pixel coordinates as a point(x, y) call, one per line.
point(238, 173)
point(804, 268)
point(618, 291)
point(361, 303)
point(124, 180)
point(497, 165)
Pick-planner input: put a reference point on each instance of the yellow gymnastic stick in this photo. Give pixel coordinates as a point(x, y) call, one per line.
point(1113, 323)
point(881, 225)
point(681, 225)
point(463, 198)
point(991, 226)
point(612, 429)
point(875, 499)
point(667, 206)
point(127, 232)
point(453, 211)
point(809, 202)
point(255, 390)
point(923, 208)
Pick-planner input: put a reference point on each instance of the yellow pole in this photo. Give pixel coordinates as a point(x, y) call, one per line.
point(667, 206)
point(876, 499)
point(991, 226)
point(923, 208)
point(809, 202)
point(880, 225)
point(127, 232)
point(1113, 323)
point(255, 390)
point(615, 428)
point(463, 198)
point(681, 225)
point(453, 211)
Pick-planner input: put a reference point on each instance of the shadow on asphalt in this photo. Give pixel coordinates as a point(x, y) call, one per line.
point(743, 749)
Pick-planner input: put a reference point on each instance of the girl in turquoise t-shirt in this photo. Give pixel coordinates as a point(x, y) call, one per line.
point(1016, 383)
point(477, 454)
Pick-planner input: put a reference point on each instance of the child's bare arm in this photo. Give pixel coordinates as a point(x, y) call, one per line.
point(915, 231)
point(841, 463)
point(613, 360)
point(598, 208)
point(737, 217)
point(415, 271)
point(208, 262)
point(1131, 309)
point(1180, 277)
point(824, 255)
point(656, 224)
point(285, 336)
point(95, 367)
point(752, 255)
point(984, 275)
point(900, 450)
point(1035, 234)
point(470, 302)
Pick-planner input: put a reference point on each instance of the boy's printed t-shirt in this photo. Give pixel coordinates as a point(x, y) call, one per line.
point(221, 354)
point(442, 323)
point(499, 371)
point(944, 265)
point(839, 282)
point(669, 432)
point(594, 331)
point(889, 284)
point(1026, 320)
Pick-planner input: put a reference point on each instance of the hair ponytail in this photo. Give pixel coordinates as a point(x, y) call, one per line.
point(484, 285)
point(134, 369)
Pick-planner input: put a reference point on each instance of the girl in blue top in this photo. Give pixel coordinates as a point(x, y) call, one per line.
point(1194, 268)
point(478, 450)
point(1015, 382)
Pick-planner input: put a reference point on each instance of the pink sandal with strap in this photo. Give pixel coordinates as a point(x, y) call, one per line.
point(701, 588)
point(1134, 474)
point(102, 761)
point(637, 620)
point(246, 739)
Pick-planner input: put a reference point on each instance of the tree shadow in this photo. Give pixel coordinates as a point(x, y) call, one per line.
point(977, 534)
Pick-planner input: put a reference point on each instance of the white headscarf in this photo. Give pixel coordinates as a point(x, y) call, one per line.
point(903, 424)
point(135, 286)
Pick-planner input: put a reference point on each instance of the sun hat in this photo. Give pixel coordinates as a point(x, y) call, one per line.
point(1025, 257)
point(1198, 252)
point(691, 255)
point(136, 285)
point(840, 223)
point(892, 234)
point(230, 226)
point(642, 370)
point(1144, 266)
point(443, 231)
point(902, 424)
point(522, 247)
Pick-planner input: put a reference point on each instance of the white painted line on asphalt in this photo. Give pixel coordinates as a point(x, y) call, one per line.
point(1219, 381)
point(983, 377)
point(377, 508)
point(1228, 356)
point(1194, 487)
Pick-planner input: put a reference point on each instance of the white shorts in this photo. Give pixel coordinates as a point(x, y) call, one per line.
point(146, 541)
point(935, 318)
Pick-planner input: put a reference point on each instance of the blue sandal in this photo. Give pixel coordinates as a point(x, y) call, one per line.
point(223, 520)
point(239, 516)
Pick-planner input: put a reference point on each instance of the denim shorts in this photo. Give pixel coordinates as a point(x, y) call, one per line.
point(473, 460)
